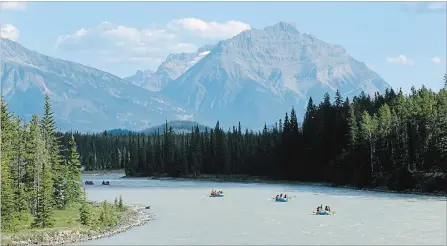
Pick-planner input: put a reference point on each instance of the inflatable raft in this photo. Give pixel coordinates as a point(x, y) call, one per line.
point(282, 199)
point(217, 195)
point(323, 212)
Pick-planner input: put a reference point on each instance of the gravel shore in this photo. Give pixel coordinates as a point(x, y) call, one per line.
point(135, 216)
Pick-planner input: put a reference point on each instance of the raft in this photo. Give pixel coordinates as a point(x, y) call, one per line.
point(282, 199)
point(218, 195)
point(324, 212)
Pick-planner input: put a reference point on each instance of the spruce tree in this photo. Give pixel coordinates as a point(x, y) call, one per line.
point(48, 128)
point(8, 217)
point(33, 138)
point(85, 211)
point(121, 203)
point(44, 209)
point(74, 188)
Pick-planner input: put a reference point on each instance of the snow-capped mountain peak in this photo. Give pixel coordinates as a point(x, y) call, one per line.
point(174, 66)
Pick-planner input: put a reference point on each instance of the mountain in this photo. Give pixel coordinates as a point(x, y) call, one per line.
point(84, 99)
point(254, 77)
point(257, 76)
point(174, 66)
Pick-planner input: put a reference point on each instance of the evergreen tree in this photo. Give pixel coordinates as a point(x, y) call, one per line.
point(44, 209)
point(30, 178)
point(121, 203)
point(74, 189)
point(48, 127)
point(8, 217)
point(85, 214)
point(391, 139)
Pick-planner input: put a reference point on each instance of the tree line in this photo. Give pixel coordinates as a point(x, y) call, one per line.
point(38, 174)
point(393, 140)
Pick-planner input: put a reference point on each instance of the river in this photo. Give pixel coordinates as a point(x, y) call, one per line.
point(184, 215)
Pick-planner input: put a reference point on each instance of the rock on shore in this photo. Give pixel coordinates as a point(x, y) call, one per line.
point(136, 216)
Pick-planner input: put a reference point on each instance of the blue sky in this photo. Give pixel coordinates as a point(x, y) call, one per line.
point(405, 43)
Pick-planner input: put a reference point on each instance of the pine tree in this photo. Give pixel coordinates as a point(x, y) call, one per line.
point(44, 211)
point(8, 217)
point(74, 189)
point(44, 208)
point(85, 213)
point(338, 99)
point(48, 128)
point(121, 203)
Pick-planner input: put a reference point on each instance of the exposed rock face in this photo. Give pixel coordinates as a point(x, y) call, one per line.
point(84, 98)
point(254, 78)
point(257, 76)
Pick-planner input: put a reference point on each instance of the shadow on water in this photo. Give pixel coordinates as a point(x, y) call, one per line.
point(118, 182)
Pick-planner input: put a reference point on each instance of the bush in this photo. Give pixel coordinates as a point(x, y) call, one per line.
point(85, 214)
point(107, 215)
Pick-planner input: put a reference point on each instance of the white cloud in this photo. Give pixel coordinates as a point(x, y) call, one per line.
point(117, 43)
point(425, 7)
point(437, 5)
point(436, 60)
point(110, 43)
point(402, 59)
point(108, 35)
point(13, 5)
point(9, 31)
point(209, 30)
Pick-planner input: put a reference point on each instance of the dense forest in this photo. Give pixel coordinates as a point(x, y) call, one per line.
point(178, 126)
point(41, 176)
point(392, 140)
point(36, 177)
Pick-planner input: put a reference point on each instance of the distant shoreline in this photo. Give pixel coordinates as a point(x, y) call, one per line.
point(105, 172)
point(263, 180)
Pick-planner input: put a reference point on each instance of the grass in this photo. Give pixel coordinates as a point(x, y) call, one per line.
point(66, 218)
point(103, 216)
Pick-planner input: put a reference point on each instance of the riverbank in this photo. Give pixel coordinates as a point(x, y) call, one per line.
point(267, 180)
point(105, 172)
point(132, 215)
